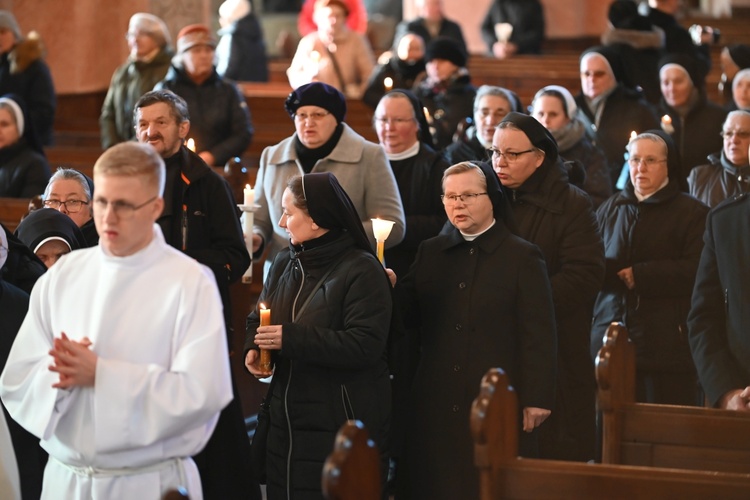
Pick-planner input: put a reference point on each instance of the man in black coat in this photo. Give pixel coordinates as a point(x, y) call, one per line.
point(719, 319)
point(201, 219)
point(559, 219)
point(220, 125)
point(430, 24)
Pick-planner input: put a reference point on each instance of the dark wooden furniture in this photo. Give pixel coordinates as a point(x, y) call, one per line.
point(352, 470)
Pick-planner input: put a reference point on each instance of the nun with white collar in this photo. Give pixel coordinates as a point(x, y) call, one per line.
point(24, 171)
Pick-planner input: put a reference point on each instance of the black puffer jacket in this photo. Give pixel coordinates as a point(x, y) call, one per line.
point(332, 365)
point(24, 173)
point(467, 148)
point(661, 238)
point(219, 116)
point(527, 19)
point(597, 182)
point(718, 180)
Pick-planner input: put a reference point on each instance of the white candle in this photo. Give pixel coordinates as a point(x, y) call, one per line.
point(249, 195)
point(388, 83)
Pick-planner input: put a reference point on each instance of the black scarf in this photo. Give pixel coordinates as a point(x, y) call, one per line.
point(308, 157)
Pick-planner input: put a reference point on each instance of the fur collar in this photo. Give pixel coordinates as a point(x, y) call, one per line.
point(26, 52)
point(653, 39)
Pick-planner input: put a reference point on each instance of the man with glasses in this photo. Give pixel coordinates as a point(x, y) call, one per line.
point(559, 219)
point(728, 172)
point(121, 365)
point(70, 191)
point(201, 219)
point(653, 236)
point(324, 143)
point(150, 56)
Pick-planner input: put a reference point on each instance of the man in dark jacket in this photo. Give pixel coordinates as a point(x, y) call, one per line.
point(201, 219)
point(719, 318)
point(514, 27)
point(241, 52)
point(728, 173)
point(220, 120)
point(652, 235)
point(559, 219)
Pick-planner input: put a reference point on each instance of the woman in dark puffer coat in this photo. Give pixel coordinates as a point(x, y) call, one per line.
point(330, 358)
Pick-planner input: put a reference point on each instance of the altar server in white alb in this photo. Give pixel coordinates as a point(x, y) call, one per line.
point(120, 366)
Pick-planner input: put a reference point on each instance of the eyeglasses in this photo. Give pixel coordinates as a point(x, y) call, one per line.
point(649, 162)
point(740, 134)
point(131, 35)
point(466, 199)
point(122, 209)
point(510, 156)
point(393, 122)
point(594, 74)
point(71, 206)
point(315, 116)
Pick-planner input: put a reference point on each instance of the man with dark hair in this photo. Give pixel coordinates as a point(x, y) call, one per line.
point(201, 218)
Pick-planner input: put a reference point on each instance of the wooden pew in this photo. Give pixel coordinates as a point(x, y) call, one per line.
point(494, 428)
point(12, 210)
point(682, 437)
point(352, 470)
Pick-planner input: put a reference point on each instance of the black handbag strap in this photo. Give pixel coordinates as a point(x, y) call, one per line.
point(336, 68)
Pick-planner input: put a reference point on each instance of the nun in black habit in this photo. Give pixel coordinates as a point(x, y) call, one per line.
point(482, 299)
point(50, 234)
point(330, 302)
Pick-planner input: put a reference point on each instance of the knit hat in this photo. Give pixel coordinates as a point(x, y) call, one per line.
point(149, 23)
point(192, 35)
point(17, 112)
point(740, 54)
point(539, 136)
point(8, 21)
point(447, 49)
point(569, 103)
point(232, 11)
point(317, 94)
point(687, 64)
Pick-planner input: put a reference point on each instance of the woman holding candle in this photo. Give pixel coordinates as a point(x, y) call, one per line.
point(687, 115)
point(330, 305)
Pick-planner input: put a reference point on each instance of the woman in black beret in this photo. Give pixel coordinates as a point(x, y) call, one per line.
point(331, 306)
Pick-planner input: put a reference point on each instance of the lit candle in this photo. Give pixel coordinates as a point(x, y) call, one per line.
point(265, 354)
point(315, 56)
point(633, 135)
point(666, 124)
point(381, 229)
point(427, 115)
point(249, 196)
point(191, 144)
point(388, 83)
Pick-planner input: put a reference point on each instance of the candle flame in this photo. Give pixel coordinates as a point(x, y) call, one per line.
point(262, 306)
point(247, 186)
point(427, 114)
point(666, 119)
point(388, 83)
point(633, 135)
point(191, 145)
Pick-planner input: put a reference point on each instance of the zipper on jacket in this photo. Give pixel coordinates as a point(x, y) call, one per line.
point(286, 394)
point(184, 227)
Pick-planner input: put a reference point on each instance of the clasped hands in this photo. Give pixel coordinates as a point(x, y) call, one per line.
point(266, 337)
point(74, 362)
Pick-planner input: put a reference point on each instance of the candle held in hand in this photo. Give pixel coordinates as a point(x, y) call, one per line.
point(265, 354)
point(249, 193)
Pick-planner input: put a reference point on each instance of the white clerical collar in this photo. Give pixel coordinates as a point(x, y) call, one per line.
point(472, 237)
point(646, 197)
point(412, 151)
